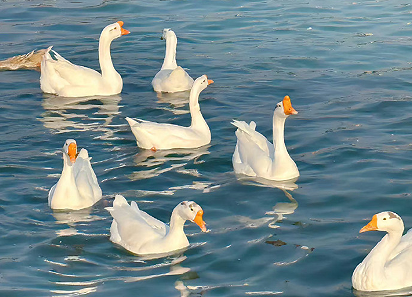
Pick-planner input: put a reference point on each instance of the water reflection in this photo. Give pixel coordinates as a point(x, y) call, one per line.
point(289, 185)
point(282, 208)
point(177, 101)
point(153, 164)
point(401, 292)
point(80, 114)
point(71, 218)
point(175, 268)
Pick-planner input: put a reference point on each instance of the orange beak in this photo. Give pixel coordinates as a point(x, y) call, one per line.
point(72, 152)
point(199, 220)
point(371, 226)
point(287, 106)
point(124, 31)
point(210, 81)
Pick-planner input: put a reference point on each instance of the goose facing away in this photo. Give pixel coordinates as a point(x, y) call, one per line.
point(161, 136)
point(77, 187)
point(61, 77)
point(388, 266)
point(255, 156)
point(171, 78)
point(142, 234)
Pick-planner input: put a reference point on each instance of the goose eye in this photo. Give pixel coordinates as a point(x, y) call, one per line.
point(384, 219)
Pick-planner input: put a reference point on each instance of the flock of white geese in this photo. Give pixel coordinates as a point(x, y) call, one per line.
point(387, 267)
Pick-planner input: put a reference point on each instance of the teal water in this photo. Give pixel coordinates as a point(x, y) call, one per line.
point(346, 66)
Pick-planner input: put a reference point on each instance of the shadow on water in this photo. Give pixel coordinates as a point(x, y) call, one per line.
point(80, 114)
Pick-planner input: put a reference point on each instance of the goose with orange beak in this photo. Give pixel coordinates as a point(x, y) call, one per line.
point(163, 136)
point(388, 266)
point(77, 187)
point(142, 234)
point(255, 156)
point(60, 77)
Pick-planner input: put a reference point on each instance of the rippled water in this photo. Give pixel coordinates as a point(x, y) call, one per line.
point(347, 68)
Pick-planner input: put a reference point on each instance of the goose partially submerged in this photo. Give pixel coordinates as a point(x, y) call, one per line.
point(31, 60)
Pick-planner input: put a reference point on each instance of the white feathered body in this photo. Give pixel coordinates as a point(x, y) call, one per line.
point(141, 233)
point(254, 155)
point(77, 187)
point(167, 136)
point(172, 80)
point(378, 272)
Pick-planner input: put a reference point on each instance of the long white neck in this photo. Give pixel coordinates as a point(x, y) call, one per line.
point(381, 252)
point(279, 136)
point(198, 122)
point(170, 56)
point(105, 58)
point(67, 168)
point(176, 235)
point(283, 167)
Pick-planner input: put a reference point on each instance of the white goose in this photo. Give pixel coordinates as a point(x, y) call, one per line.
point(171, 78)
point(77, 187)
point(143, 234)
point(63, 78)
point(255, 156)
point(389, 265)
point(156, 136)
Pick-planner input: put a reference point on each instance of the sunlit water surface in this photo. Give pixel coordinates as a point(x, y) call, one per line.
point(347, 68)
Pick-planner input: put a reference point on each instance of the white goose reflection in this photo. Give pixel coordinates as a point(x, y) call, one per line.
point(174, 266)
point(401, 292)
point(162, 161)
point(176, 100)
point(281, 208)
point(72, 218)
point(80, 114)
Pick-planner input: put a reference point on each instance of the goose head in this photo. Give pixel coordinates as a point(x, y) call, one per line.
point(284, 108)
point(70, 149)
point(190, 210)
point(201, 83)
point(115, 30)
point(387, 221)
point(168, 35)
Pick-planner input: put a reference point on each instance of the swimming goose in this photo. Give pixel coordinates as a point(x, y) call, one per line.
point(389, 265)
point(255, 156)
point(77, 187)
point(171, 78)
point(142, 234)
point(61, 77)
point(156, 136)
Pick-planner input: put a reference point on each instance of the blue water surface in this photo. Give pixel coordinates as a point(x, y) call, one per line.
point(346, 66)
